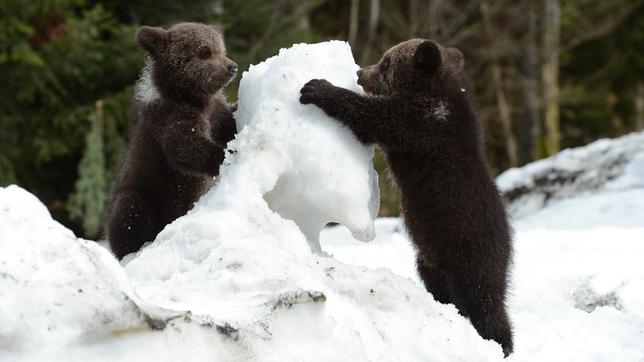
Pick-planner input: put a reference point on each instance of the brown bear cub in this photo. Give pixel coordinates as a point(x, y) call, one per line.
point(177, 145)
point(417, 110)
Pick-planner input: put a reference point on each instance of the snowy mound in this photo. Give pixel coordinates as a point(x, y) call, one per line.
point(67, 299)
point(615, 164)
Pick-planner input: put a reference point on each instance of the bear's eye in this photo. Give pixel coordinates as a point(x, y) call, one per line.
point(204, 52)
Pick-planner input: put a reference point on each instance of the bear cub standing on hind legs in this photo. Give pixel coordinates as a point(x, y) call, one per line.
point(418, 111)
point(177, 145)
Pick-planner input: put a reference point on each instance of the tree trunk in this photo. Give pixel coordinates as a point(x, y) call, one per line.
point(639, 106)
point(374, 16)
point(353, 21)
point(550, 74)
point(501, 99)
point(530, 128)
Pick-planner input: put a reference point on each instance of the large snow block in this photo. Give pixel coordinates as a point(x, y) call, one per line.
point(326, 175)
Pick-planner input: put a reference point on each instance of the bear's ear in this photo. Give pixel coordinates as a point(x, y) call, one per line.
point(216, 28)
point(456, 57)
point(428, 56)
point(152, 39)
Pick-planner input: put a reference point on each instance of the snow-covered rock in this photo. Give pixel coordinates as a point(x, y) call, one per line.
point(573, 172)
point(601, 184)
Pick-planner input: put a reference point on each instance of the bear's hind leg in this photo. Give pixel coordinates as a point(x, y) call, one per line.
point(483, 302)
point(133, 222)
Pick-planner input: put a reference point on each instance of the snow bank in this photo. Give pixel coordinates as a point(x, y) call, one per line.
point(238, 277)
point(576, 295)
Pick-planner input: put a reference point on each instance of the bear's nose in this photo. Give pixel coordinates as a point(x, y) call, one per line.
point(359, 73)
point(232, 68)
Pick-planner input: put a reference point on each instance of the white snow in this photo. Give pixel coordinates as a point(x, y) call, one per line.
point(235, 281)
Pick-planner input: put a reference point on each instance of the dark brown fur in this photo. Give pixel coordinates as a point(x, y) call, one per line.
point(177, 145)
point(419, 113)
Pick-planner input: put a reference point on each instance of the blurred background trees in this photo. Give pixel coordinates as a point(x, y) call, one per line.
point(547, 74)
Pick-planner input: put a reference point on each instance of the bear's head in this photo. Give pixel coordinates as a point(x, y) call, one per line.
point(413, 66)
point(188, 60)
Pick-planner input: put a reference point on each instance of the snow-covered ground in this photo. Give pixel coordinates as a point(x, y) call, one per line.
point(235, 281)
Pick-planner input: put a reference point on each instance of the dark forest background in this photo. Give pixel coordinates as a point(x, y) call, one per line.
point(547, 74)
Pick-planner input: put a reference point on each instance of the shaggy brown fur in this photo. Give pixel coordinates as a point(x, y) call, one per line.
point(178, 143)
point(419, 112)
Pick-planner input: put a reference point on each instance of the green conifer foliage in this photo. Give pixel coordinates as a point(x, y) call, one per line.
point(58, 57)
point(90, 190)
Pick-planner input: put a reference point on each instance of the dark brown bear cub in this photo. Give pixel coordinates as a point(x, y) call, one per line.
point(418, 111)
point(177, 145)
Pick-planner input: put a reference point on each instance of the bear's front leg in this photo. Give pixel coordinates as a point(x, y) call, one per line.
point(133, 221)
point(346, 106)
